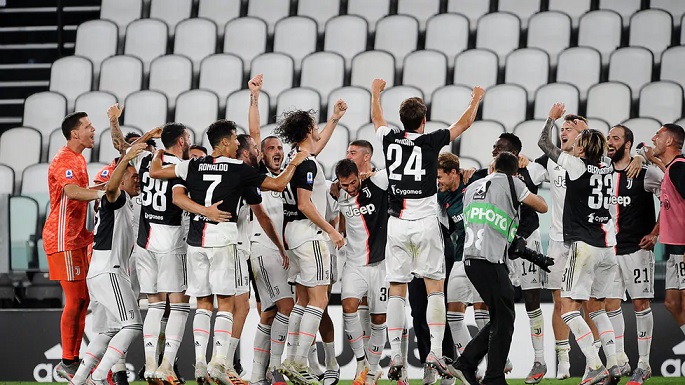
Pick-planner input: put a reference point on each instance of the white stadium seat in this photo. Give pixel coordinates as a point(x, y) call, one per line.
point(7, 177)
point(574, 9)
point(476, 67)
point(499, 32)
point(237, 106)
point(171, 12)
point(35, 185)
point(505, 103)
point(171, 75)
point(195, 39)
point(145, 110)
point(552, 93)
point(551, 32)
point(477, 141)
point(295, 36)
point(323, 72)
point(20, 147)
point(392, 98)
point(121, 12)
point(675, 7)
point(278, 73)
point(44, 111)
point(643, 130)
point(651, 29)
point(23, 220)
point(320, 11)
point(270, 11)
point(96, 40)
point(448, 33)
point(625, 8)
point(335, 149)
point(529, 133)
point(71, 76)
point(609, 101)
point(370, 65)
point(220, 12)
point(580, 66)
point(299, 99)
point(524, 9)
point(397, 34)
point(358, 106)
point(415, 74)
point(146, 39)
point(420, 10)
point(662, 101)
point(672, 65)
point(529, 68)
point(121, 75)
point(245, 37)
point(197, 109)
point(371, 10)
point(346, 35)
point(600, 30)
point(95, 104)
point(449, 102)
point(598, 124)
point(368, 132)
point(222, 74)
point(472, 9)
point(632, 66)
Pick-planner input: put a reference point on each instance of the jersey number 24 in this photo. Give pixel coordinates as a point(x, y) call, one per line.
point(412, 167)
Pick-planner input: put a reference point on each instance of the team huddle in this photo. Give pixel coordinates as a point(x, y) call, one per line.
point(187, 222)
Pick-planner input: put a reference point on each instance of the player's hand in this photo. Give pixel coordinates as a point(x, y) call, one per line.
point(215, 215)
point(649, 241)
point(337, 239)
point(301, 156)
point(649, 154)
point(366, 175)
point(335, 190)
point(255, 84)
point(523, 161)
point(285, 261)
point(466, 174)
point(635, 166)
point(114, 112)
point(134, 151)
point(339, 109)
point(478, 93)
point(377, 86)
point(156, 132)
point(557, 111)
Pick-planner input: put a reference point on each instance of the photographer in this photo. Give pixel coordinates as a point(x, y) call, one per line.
point(491, 216)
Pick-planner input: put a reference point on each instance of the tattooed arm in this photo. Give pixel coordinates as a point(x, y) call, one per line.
point(113, 113)
point(327, 132)
point(545, 142)
point(255, 85)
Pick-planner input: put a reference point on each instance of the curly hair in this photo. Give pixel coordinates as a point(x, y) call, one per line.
point(293, 126)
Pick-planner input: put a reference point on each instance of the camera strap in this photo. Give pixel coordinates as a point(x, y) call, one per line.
point(514, 202)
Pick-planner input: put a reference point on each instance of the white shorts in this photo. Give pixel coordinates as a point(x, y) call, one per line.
point(160, 273)
point(414, 248)
point(133, 273)
point(310, 264)
point(675, 267)
point(335, 274)
point(529, 275)
point(242, 273)
point(460, 288)
point(270, 276)
point(211, 270)
point(635, 274)
point(103, 322)
point(367, 281)
point(558, 251)
point(114, 294)
point(590, 272)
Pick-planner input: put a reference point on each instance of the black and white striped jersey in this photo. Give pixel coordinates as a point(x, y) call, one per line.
point(113, 236)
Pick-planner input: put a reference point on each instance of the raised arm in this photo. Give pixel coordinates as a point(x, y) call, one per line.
point(281, 181)
point(270, 230)
point(158, 170)
point(469, 115)
point(545, 142)
point(113, 113)
point(255, 85)
point(327, 132)
point(377, 86)
point(112, 190)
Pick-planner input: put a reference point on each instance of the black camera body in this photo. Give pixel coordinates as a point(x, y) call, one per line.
point(518, 249)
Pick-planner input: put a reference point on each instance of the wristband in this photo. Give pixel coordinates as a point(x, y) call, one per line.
point(101, 193)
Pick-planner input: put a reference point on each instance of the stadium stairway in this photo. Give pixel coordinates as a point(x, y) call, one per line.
point(33, 34)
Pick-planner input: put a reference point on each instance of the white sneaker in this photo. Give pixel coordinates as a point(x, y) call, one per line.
point(361, 372)
point(430, 375)
point(563, 370)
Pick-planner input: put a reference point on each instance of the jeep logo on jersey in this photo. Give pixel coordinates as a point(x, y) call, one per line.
point(619, 200)
point(363, 210)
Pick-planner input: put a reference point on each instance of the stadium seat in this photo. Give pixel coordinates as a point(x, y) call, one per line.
point(197, 109)
point(598, 124)
point(675, 7)
point(358, 107)
point(238, 104)
point(299, 99)
point(270, 11)
point(24, 225)
point(221, 74)
point(371, 10)
point(195, 39)
point(449, 102)
point(632, 66)
point(682, 31)
point(392, 98)
point(574, 9)
point(35, 185)
point(499, 32)
point(643, 130)
point(476, 67)
point(600, 30)
point(278, 73)
point(56, 140)
point(370, 65)
point(7, 177)
point(472, 9)
point(319, 10)
point(171, 12)
point(220, 12)
point(95, 104)
point(524, 9)
point(420, 10)
point(549, 94)
point(415, 74)
point(651, 29)
point(171, 75)
point(20, 147)
point(580, 66)
point(477, 141)
point(625, 8)
point(466, 163)
point(447, 33)
point(529, 68)
point(71, 76)
point(505, 103)
point(106, 150)
point(295, 36)
point(609, 102)
point(323, 72)
point(335, 149)
point(551, 32)
point(121, 75)
point(662, 101)
point(434, 125)
point(245, 37)
point(44, 111)
point(671, 65)
point(368, 132)
point(145, 110)
point(529, 133)
point(346, 35)
point(146, 39)
point(121, 12)
point(96, 40)
point(681, 122)
point(398, 35)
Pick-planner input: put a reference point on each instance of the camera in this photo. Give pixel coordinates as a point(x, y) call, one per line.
point(518, 249)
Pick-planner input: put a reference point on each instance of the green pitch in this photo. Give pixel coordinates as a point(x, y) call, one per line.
point(570, 381)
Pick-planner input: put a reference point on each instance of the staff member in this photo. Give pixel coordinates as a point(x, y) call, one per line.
point(491, 217)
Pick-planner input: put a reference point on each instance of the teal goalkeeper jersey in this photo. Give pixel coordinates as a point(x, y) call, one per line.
point(452, 201)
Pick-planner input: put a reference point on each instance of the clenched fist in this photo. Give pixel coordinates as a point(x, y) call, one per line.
point(339, 109)
point(377, 86)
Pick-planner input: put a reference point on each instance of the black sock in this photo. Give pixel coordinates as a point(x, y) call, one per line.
point(70, 362)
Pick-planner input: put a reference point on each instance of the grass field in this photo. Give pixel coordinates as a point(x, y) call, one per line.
point(570, 381)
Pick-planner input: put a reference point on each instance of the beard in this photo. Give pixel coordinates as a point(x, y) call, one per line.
point(618, 154)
